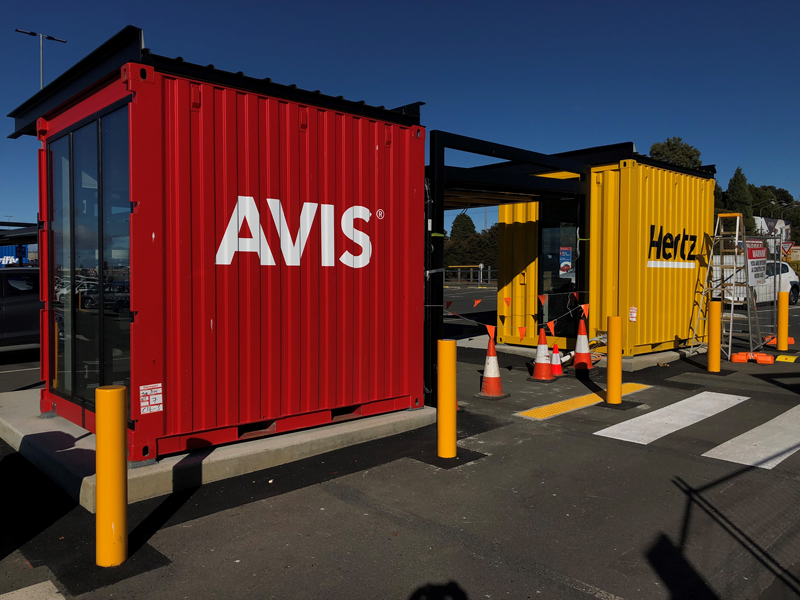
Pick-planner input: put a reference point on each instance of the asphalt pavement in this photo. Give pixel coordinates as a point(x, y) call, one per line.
point(593, 503)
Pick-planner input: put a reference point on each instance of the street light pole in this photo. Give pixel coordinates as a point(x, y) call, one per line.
point(42, 37)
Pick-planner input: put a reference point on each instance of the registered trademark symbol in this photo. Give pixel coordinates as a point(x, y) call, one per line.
point(380, 214)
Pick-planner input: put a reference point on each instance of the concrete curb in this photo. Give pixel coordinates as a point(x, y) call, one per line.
point(65, 452)
point(644, 361)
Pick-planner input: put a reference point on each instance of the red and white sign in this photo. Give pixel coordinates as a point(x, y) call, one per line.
point(757, 262)
point(787, 247)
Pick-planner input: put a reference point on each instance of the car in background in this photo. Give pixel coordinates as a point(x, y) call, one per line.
point(19, 308)
point(788, 281)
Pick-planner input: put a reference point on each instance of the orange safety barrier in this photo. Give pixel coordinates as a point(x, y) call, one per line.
point(759, 357)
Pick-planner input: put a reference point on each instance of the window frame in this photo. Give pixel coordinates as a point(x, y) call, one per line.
point(68, 132)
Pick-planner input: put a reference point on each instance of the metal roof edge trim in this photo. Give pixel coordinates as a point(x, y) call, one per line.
point(127, 46)
point(704, 171)
point(405, 115)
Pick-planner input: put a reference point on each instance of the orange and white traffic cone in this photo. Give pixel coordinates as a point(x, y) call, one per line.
point(491, 385)
point(582, 361)
point(555, 362)
point(542, 369)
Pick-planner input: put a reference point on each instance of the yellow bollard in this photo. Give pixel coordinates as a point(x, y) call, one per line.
point(714, 335)
point(111, 502)
point(446, 406)
point(783, 321)
point(614, 361)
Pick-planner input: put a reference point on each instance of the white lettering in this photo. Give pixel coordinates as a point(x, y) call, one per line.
point(292, 250)
point(359, 237)
point(328, 232)
point(292, 247)
point(245, 210)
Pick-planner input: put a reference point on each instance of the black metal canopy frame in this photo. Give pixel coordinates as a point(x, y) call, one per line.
point(516, 177)
point(509, 182)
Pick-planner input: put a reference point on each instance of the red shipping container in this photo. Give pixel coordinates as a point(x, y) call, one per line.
point(257, 269)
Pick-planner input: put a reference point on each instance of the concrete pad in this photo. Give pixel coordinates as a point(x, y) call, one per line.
point(66, 452)
point(41, 591)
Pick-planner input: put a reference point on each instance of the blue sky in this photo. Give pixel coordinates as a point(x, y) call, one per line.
point(547, 76)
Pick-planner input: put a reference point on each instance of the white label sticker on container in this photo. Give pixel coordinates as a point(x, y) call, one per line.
point(632, 312)
point(150, 390)
point(157, 408)
point(155, 399)
point(145, 409)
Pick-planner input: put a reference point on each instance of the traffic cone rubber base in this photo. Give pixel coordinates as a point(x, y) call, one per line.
point(484, 397)
point(583, 373)
point(542, 380)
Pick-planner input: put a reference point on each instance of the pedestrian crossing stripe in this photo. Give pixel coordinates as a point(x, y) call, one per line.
point(547, 411)
point(659, 423)
point(764, 446)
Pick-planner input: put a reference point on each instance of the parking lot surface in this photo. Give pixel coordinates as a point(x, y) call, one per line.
point(693, 491)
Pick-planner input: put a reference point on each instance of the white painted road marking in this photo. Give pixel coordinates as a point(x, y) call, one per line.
point(766, 445)
point(657, 424)
point(19, 371)
point(41, 591)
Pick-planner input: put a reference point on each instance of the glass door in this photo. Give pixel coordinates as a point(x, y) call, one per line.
point(560, 264)
point(90, 276)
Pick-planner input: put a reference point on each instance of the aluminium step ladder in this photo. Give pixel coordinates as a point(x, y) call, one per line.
point(726, 279)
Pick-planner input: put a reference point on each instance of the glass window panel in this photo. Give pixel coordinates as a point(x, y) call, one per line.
point(62, 277)
point(116, 249)
point(86, 284)
point(558, 272)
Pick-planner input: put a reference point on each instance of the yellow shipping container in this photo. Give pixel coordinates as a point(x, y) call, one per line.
point(649, 229)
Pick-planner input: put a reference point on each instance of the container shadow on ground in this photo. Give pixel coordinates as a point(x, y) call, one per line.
point(50, 529)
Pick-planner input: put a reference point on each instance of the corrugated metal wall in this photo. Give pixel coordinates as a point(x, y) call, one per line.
point(627, 199)
point(249, 341)
point(662, 286)
point(518, 272)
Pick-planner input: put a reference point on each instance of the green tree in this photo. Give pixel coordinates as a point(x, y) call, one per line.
point(478, 248)
point(462, 228)
point(676, 152)
point(719, 198)
point(739, 200)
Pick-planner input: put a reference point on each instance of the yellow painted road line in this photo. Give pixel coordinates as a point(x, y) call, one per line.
point(558, 408)
point(786, 358)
